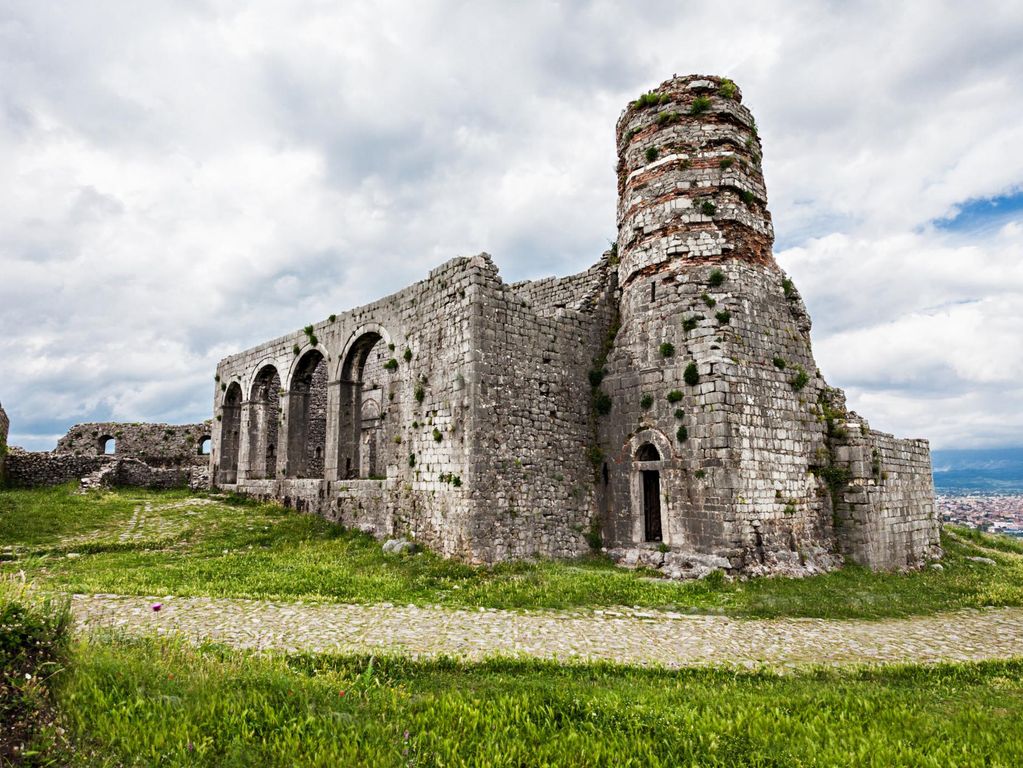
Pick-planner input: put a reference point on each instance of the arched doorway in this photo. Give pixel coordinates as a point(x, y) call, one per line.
point(307, 416)
point(651, 489)
point(264, 422)
point(230, 423)
point(361, 394)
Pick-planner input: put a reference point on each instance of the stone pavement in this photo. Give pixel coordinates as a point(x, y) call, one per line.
point(622, 635)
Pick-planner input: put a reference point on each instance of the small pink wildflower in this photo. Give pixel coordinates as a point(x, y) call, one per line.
point(156, 606)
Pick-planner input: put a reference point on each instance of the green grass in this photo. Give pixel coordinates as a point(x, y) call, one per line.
point(187, 546)
point(163, 703)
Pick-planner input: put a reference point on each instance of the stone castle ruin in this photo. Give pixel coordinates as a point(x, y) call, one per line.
point(663, 404)
point(112, 454)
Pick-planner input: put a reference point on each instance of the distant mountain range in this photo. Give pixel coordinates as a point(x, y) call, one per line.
point(998, 470)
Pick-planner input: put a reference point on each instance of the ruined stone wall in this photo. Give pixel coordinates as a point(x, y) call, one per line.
point(534, 431)
point(5, 425)
point(885, 516)
point(159, 445)
point(418, 368)
point(29, 469)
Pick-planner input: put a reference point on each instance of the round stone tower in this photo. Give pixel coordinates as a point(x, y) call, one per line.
point(713, 427)
point(689, 179)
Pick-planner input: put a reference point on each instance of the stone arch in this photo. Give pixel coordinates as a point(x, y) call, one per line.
point(264, 422)
point(106, 445)
point(357, 339)
point(205, 445)
point(307, 416)
point(230, 426)
point(361, 384)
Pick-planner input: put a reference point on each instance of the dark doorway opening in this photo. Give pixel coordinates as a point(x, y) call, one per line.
point(652, 505)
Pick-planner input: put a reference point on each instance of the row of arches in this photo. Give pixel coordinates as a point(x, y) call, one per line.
point(253, 430)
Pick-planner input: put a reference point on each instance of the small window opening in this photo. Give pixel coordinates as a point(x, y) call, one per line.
point(205, 445)
point(653, 292)
point(606, 475)
point(107, 446)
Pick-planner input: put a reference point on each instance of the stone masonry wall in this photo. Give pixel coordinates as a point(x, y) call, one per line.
point(534, 431)
point(5, 425)
point(885, 515)
point(418, 361)
point(29, 469)
point(159, 445)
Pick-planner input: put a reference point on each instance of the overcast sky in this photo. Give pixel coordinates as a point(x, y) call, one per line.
point(179, 181)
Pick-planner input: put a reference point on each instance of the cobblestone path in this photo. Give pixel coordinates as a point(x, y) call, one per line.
point(621, 635)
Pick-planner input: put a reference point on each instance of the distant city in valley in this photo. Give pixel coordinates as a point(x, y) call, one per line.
point(982, 489)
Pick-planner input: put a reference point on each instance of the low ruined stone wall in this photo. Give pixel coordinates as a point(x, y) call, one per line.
point(159, 445)
point(27, 469)
point(5, 425)
point(885, 516)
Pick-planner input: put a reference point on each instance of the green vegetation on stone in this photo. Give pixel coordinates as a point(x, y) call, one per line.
point(700, 105)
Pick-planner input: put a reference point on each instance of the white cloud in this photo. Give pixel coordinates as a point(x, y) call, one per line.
point(181, 181)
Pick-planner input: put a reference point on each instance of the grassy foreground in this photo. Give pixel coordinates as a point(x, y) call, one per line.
point(185, 545)
point(163, 703)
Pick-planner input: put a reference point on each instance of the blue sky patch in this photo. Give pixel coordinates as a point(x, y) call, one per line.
point(983, 213)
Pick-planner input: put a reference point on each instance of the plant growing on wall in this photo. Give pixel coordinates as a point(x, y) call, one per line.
point(674, 396)
point(601, 402)
point(707, 208)
point(724, 316)
point(651, 154)
point(407, 355)
point(728, 89)
point(667, 349)
point(709, 300)
point(788, 288)
point(700, 105)
point(682, 434)
point(391, 365)
point(690, 323)
point(679, 413)
point(779, 363)
point(420, 393)
point(646, 401)
point(716, 278)
point(725, 163)
point(651, 99)
point(437, 436)
point(691, 375)
point(801, 379)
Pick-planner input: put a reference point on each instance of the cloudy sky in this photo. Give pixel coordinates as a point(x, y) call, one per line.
point(179, 181)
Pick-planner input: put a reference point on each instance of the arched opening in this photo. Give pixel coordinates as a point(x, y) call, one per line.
point(107, 445)
point(264, 422)
point(230, 424)
point(205, 445)
point(648, 452)
point(307, 416)
point(361, 438)
point(651, 485)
